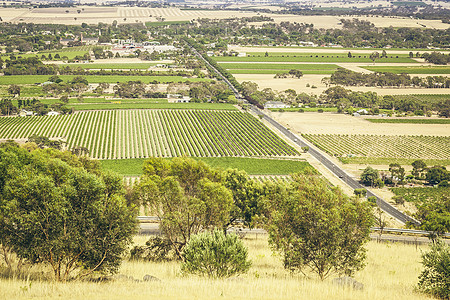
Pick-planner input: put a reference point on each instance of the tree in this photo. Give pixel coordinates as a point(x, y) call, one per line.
point(383, 54)
point(14, 90)
point(187, 196)
point(55, 211)
point(374, 56)
point(434, 215)
point(349, 55)
point(215, 255)
point(434, 279)
point(246, 194)
point(411, 55)
point(318, 228)
point(397, 173)
point(370, 176)
point(437, 174)
point(419, 167)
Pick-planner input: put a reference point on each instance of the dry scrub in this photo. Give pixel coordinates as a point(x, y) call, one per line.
point(392, 271)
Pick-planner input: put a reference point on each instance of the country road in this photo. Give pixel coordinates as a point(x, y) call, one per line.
point(384, 206)
point(347, 179)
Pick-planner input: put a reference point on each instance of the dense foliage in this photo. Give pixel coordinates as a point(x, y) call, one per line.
point(215, 254)
point(435, 278)
point(62, 211)
point(318, 228)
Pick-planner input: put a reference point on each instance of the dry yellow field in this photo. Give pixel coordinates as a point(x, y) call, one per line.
point(332, 123)
point(93, 15)
point(391, 272)
point(299, 85)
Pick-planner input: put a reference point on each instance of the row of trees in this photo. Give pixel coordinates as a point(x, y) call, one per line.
point(436, 175)
point(350, 78)
point(188, 196)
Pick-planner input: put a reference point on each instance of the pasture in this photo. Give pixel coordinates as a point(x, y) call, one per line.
point(38, 79)
point(314, 57)
point(112, 66)
point(392, 269)
point(431, 70)
point(150, 104)
point(267, 68)
point(124, 134)
point(253, 166)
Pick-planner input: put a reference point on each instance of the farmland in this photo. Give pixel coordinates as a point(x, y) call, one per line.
point(265, 68)
point(145, 133)
point(432, 70)
point(382, 147)
point(421, 194)
point(151, 104)
point(34, 79)
point(314, 58)
point(253, 166)
point(112, 66)
point(410, 121)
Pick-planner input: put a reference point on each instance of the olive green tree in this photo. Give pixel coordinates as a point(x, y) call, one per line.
point(316, 227)
point(55, 211)
point(187, 195)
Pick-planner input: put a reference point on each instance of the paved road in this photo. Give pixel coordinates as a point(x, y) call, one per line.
point(153, 229)
point(385, 206)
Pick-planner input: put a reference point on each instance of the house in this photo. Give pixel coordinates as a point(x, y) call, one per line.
point(26, 113)
point(242, 54)
point(362, 112)
point(89, 41)
point(65, 42)
point(275, 104)
point(178, 98)
point(210, 53)
point(53, 113)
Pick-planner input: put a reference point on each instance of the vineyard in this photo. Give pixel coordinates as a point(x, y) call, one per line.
point(421, 194)
point(163, 133)
point(383, 146)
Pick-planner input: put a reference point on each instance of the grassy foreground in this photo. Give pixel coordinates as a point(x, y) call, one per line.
point(391, 272)
point(253, 166)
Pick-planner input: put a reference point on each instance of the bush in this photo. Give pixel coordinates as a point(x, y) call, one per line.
point(320, 110)
point(215, 255)
point(434, 279)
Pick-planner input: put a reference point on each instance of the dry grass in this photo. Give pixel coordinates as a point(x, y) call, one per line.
point(392, 271)
point(331, 123)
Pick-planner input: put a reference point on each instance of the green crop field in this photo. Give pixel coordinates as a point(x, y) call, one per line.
point(421, 194)
point(123, 134)
point(313, 57)
point(267, 68)
point(36, 79)
point(165, 23)
point(382, 147)
point(411, 121)
point(163, 104)
point(112, 66)
point(410, 70)
point(256, 71)
point(253, 166)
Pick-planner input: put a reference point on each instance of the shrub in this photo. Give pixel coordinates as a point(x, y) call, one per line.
point(320, 110)
point(434, 279)
point(215, 255)
point(301, 110)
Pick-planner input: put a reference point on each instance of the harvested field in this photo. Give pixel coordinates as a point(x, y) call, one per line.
point(299, 85)
point(95, 14)
point(330, 123)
